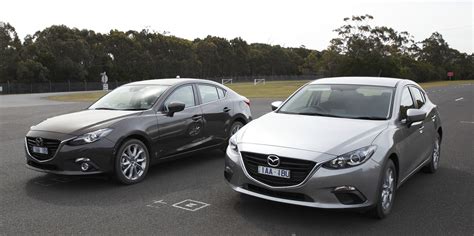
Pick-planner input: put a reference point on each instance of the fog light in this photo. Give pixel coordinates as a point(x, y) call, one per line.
point(228, 173)
point(349, 195)
point(84, 166)
point(344, 189)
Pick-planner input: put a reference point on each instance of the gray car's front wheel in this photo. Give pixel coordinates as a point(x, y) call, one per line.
point(131, 162)
point(386, 193)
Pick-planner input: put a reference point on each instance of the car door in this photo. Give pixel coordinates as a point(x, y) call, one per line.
point(427, 129)
point(183, 131)
point(216, 113)
point(408, 136)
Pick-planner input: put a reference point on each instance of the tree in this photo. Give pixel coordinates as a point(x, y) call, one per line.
point(10, 46)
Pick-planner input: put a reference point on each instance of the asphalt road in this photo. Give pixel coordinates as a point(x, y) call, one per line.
point(35, 203)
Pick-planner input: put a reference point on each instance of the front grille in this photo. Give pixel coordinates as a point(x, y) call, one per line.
point(51, 144)
point(299, 169)
point(278, 194)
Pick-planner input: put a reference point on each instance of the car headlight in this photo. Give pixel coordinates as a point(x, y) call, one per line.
point(90, 137)
point(351, 159)
point(233, 144)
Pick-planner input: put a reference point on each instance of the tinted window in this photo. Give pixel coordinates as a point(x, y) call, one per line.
point(348, 101)
point(130, 97)
point(417, 96)
point(406, 103)
point(208, 93)
point(183, 94)
point(221, 93)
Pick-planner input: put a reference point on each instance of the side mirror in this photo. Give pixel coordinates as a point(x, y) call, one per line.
point(276, 104)
point(415, 115)
point(175, 107)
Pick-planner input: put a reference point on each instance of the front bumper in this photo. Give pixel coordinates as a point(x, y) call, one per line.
point(67, 159)
point(354, 187)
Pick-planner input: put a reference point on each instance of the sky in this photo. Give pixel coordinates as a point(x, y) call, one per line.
point(290, 23)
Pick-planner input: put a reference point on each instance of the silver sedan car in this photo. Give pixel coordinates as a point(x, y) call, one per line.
point(346, 142)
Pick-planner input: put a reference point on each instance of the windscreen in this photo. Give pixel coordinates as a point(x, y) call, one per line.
point(347, 101)
point(130, 97)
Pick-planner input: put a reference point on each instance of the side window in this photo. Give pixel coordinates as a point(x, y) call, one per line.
point(419, 99)
point(208, 93)
point(221, 92)
point(406, 103)
point(183, 94)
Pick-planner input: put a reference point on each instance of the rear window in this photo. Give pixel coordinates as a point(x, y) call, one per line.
point(208, 93)
point(221, 93)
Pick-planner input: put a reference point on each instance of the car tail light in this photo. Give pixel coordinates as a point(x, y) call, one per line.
point(246, 100)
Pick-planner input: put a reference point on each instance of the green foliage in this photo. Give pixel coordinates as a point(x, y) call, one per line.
point(60, 53)
point(10, 47)
point(363, 49)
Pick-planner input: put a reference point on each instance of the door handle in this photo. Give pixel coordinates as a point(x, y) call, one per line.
point(196, 117)
point(421, 129)
point(226, 109)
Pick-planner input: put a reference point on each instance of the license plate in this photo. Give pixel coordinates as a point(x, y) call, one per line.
point(264, 170)
point(40, 150)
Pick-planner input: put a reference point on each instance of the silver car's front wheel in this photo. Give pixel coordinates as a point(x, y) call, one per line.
point(436, 154)
point(386, 194)
point(132, 162)
point(433, 165)
point(388, 187)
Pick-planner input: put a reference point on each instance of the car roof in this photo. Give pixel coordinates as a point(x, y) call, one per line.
point(360, 80)
point(169, 82)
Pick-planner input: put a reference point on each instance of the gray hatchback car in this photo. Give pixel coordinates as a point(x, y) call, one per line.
point(346, 142)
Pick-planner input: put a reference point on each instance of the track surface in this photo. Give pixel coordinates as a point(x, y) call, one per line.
point(36, 203)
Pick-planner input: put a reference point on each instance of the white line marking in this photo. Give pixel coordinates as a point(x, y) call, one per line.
point(458, 99)
point(467, 122)
point(190, 204)
point(157, 204)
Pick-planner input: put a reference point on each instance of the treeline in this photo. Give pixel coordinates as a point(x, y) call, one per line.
point(59, 53)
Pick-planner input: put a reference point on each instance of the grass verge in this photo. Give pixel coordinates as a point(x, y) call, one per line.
point(272, 89)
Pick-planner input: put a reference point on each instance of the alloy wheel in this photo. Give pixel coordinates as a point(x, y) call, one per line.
point(235, 128)
point(133, 161)
point(388, 188)
point(436, 150)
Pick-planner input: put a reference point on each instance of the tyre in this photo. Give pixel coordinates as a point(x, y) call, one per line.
point(386, 193)
point(236, 126)
point(433, 165)
point(132, 162)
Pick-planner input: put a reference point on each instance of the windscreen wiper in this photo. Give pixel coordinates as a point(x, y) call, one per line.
point(133, 109)
point(104, 108)
point(319, 114)
point(368, 118)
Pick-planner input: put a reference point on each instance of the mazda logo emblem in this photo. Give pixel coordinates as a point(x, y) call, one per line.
point(273, 161)
point(39, 141)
